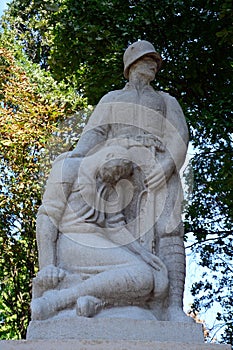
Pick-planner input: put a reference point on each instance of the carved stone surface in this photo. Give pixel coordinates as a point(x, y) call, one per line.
point(116, 329)
point(109, 229)
point(105, 345)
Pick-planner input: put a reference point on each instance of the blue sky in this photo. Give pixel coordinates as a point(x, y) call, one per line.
point(192, 268)
point(3, 5)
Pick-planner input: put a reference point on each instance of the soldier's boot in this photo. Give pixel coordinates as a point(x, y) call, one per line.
point(172, 252)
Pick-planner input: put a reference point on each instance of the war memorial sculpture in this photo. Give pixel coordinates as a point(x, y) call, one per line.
point(109, 229)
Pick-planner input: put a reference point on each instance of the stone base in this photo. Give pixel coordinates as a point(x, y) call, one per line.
point(105, 345)
point(81, 328)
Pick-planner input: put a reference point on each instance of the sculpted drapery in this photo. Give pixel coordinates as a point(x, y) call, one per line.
point(109, 230)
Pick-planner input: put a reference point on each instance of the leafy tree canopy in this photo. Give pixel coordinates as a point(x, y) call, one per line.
point(81, 43)
point(32, 106)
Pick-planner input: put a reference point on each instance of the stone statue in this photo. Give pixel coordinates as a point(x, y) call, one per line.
point(109, 229)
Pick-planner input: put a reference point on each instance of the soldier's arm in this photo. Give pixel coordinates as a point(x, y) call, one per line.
point(176, 132)
point(54, 201)
point(175, 140)
point(95, 132)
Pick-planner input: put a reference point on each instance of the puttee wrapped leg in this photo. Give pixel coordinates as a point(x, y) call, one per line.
point(172, 252)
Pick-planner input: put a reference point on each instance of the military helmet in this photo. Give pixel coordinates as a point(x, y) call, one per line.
point(138, 50)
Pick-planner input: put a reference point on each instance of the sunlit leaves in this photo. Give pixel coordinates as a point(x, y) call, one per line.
point(80, 45)
point(32, 106)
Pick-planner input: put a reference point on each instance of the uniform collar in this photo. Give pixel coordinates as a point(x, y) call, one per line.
point(131, 86)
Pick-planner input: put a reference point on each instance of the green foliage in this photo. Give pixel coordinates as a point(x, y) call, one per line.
point(18, 251)
point(86, 39)
point(79, 46)
point(32, 107)
point(226, 33)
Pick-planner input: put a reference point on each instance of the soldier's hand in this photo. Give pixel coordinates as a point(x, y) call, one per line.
point(156, 179)
point(50, 276)
point(159, 174)
point(151, 260)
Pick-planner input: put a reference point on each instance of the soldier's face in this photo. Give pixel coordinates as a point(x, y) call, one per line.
point(146, 67)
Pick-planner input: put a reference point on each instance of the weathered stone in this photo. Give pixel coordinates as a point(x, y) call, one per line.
point(109, 230)
point(115, 329)
point(105, 345)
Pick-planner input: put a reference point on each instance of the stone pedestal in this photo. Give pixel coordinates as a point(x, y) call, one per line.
point(82, 333)
point(105, 345)
point(114, 329)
